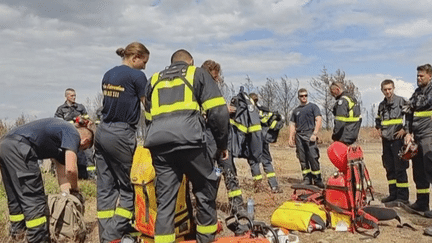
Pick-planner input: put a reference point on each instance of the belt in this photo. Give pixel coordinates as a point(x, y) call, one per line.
point(19, 138)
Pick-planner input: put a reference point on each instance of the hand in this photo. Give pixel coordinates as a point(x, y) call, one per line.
point(291, 142)
point(408, 138)
point(77, 194)
point(223, 154)
point(232, 109)
point(313, 138)
point(400, 134)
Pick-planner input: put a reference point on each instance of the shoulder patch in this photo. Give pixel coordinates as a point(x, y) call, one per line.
point(340, 102)
point(251, 108)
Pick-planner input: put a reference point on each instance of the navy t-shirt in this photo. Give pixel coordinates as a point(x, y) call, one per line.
point(304, 118)
point(50, 137)
point(122, 88)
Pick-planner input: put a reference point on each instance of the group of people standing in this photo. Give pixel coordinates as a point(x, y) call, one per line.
point(185, 111)
point(401, 122)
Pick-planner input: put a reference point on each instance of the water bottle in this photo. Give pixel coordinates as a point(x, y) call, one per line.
point(250, 208)
point(218, 171)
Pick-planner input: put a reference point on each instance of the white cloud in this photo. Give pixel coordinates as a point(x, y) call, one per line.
point(417, 29)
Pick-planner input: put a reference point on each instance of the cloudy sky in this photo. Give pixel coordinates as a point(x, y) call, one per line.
point(48, 46)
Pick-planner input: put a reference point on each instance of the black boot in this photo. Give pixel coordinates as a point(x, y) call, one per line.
point(307, 179)
point(318, 181)
point(388, 199)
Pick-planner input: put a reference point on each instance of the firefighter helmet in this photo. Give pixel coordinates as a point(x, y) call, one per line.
point(337, 153)
point(408, 151)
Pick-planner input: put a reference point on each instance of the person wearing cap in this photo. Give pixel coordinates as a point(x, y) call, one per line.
point(389, 123)
point(305, 124)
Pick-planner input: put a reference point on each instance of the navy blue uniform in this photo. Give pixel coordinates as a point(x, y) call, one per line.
point(307, 151)
point(115, 144)
point(19, 151)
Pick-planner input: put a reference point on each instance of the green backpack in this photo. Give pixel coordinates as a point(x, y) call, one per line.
point(66, 223)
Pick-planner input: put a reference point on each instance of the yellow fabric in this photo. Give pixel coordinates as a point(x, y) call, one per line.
point(391, 182)
point(239, 126)
point(335, 218)
point(307, 171)
point(257, 177)
point(235, 193)
point(351, 117)
point(186, 104)
point(105, 214)
point(211, 103)
point(423, 113)
point(423, 191)
point(270, 174)
point(296, 215)
point(16, 218)
point(210, 229)
point(36, 222)
point(143, 178)
point(164, 238)
point(402, 185)
point(392, 122)
point(316, 172)
point(124, 213)
point(254, 128)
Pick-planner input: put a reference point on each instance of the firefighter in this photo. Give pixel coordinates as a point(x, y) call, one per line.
point(266, 159)
point(347, 117)
point(20, 150)
point(176, 140)
point(68, 111)
point(229, 170)
point(419, 127)
point(389, 123)
point(115, 141)
point(305, 124)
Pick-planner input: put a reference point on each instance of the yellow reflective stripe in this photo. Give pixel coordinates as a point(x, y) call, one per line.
point(270, 174)
point(36, 222)
point(254, 128)
point(105, 214)
point(423, 191)
point(423, 113)
point(135, 234)
point(147, 115)
point(186, 104)
point(402, 185)
point(265, 118)
point(16, 218)
point(85, 116)
point(392, 122)
point(91, 168)
point(164, 238)
point(347, 119)
point(210, 229)
point(124, 213)
point(307, 171)
point(239, 126)
point(273, 125)
point(257, 177)
point(350, 117)
point(316, 172)
point(235, 193)
point(211, 103)
point(392, 182)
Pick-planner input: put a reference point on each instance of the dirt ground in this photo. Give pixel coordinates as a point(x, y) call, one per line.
point(288, 172)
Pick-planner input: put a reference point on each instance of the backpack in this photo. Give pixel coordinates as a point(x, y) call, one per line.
point(66, 222)
point(347, 192)
point(143, 178)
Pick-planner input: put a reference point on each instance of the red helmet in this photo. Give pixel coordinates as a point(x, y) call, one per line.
point(337, 153)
